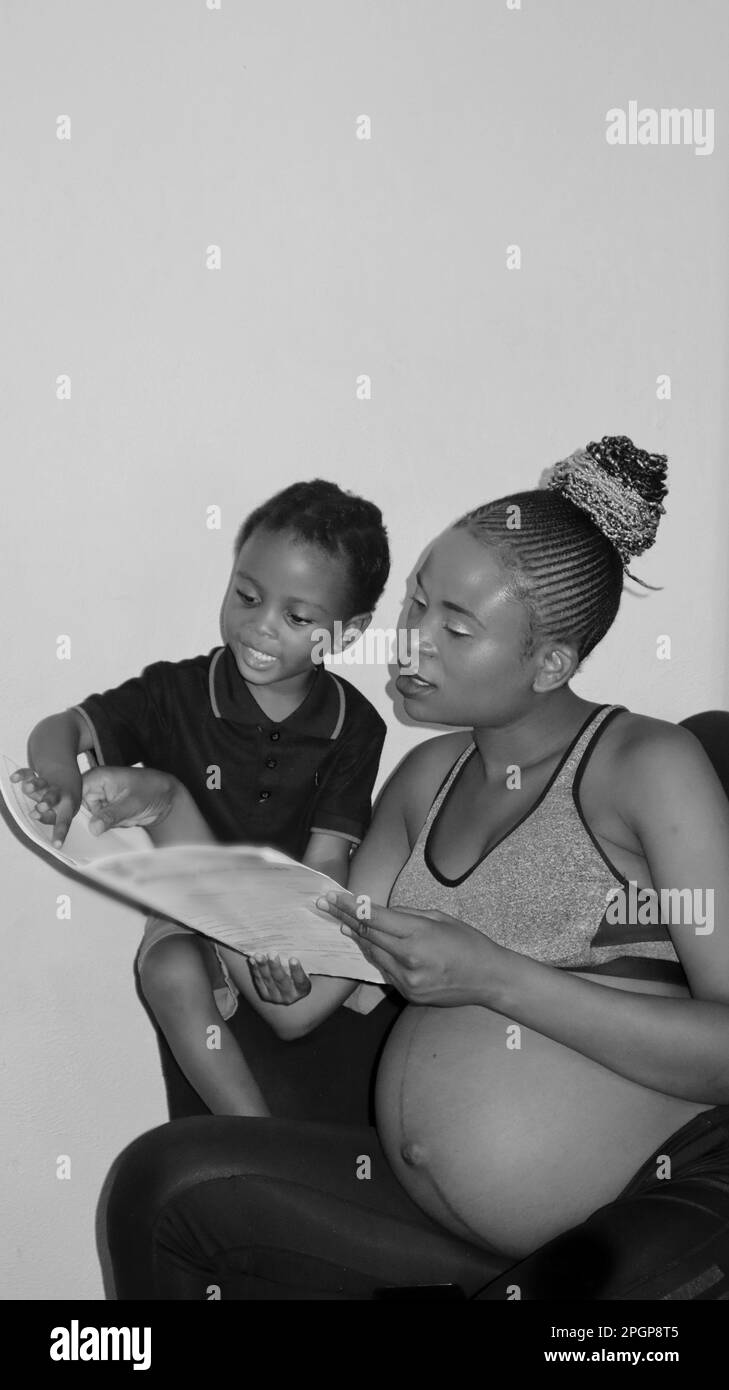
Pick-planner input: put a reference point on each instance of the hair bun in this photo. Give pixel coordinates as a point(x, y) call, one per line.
point(619, 486)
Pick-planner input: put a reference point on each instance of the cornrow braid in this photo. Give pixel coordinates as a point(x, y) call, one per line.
point(566, 545)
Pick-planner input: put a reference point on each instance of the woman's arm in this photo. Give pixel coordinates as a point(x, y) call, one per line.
point(677, 1046)
point(670, 796)
point(675, 803)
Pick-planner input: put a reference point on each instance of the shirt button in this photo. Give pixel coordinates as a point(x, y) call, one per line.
point(275, 736)
point(271, 762)
point(264, 796)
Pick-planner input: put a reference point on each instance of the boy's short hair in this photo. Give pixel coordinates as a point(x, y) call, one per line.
point(339, 523)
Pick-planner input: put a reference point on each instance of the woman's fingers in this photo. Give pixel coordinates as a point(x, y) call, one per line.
point(360, 912)
point(345, 906)
point(368, 938)
point(378, 929)
point(382, 957)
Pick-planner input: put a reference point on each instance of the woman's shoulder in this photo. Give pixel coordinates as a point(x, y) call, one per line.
point(640, 735)
point(640, 767)
point(434, 755)
point(416, 779)
point(639, 749)
point(402, 807)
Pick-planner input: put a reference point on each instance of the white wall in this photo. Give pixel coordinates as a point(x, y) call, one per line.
point(192, 387)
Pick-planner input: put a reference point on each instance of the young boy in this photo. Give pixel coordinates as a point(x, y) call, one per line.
point(273, 748)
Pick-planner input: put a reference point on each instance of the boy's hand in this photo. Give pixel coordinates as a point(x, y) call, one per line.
point(277, 981)
point(122, 796)
point(56, 800)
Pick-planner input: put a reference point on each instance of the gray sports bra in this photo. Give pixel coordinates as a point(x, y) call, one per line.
point(545, 888)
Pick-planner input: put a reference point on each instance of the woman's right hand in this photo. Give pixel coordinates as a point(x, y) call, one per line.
point(277, 981)
point(123, 796)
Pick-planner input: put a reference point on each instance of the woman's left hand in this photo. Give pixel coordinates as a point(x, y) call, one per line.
point(430, 957)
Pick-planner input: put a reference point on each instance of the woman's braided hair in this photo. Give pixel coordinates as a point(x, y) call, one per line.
point(567, 544)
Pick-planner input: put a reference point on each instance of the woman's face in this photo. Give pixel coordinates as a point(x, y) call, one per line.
point(472, 635)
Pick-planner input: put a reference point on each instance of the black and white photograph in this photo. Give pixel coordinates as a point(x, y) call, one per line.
point(365, 740)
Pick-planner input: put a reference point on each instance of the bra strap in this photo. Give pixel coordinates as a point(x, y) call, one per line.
point(583, 749)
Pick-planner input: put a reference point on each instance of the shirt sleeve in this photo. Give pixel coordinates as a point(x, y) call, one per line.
point(128, 723)
point(344, 804)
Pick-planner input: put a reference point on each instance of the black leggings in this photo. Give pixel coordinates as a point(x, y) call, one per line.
point(277, 1209)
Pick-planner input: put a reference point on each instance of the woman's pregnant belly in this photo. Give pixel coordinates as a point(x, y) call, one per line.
point(509, 1145)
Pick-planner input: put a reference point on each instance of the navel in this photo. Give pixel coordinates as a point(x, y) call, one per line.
point(413, 1155)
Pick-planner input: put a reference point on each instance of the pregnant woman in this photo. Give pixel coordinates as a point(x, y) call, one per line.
point(548, 891)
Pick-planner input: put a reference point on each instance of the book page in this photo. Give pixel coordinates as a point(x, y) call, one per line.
point(80, 846)
point(249, 898)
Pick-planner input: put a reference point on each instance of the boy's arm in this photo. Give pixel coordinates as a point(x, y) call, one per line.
point(53, 780)
point(55, 742)
point(122, 727)
point(340, 816)
point(124, 796)
point(330, 855)
point(374, 868)
point(343, 805)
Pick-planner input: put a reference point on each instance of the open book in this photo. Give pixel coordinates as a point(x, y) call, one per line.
point(246, 897)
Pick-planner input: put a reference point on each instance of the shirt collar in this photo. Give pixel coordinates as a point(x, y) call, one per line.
point(319, 714)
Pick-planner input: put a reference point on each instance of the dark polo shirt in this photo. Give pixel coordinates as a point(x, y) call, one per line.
point(279, 782)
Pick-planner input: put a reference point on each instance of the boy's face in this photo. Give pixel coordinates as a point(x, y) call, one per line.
point(281, 591)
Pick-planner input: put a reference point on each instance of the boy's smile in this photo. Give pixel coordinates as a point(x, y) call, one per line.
point(259, 661)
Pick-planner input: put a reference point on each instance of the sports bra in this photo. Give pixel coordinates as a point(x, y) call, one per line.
point(547, 888)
